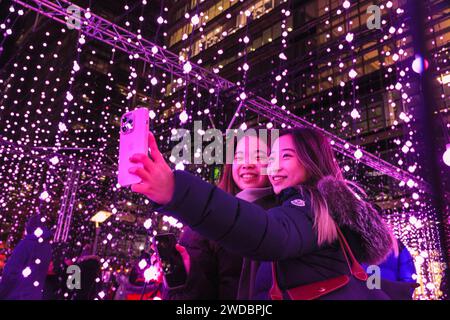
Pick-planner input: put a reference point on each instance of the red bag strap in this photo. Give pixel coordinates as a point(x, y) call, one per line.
point(355, 268)
point(275, 291)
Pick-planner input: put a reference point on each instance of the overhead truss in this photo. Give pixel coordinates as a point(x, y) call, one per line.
point(103, 30)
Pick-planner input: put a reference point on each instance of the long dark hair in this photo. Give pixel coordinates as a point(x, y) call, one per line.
point(317, 157)
point(226, 182)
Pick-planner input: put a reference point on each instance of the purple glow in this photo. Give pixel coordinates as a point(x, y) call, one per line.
point(419, 64)
point(26, 272)
point(446, 155)
point(151, 273)
point(38, 232)
point(352, 73)
point(142, 264)
point(187, 67)
point(148, 224)
point(346, 113)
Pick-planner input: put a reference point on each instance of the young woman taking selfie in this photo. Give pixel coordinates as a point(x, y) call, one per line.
point(309, 245)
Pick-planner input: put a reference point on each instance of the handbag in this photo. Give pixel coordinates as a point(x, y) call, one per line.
point(317, 289)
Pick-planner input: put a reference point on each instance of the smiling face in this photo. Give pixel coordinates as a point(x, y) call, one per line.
point(285, 169)
point(249, 163)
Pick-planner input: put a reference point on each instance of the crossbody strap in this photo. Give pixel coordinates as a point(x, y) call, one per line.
point(355, 268)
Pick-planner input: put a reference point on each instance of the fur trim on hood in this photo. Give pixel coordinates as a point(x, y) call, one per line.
point(358, 216)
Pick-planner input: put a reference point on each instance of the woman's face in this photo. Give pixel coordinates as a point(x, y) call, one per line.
point(250, 163)
point(285, 169)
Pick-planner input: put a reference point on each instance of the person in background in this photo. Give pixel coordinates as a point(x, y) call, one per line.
point(90, 269)
point(26, 269)
point(397, 271)
point(444, 287)
point(399, 267)
point(135, 286)
point(55, 287)
point(399, 264)
point(214, 272)
point(2, 258)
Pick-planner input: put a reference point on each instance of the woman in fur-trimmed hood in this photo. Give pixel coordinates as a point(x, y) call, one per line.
point(298, 241)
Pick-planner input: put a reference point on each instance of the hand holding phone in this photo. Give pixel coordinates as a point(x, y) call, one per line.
point(172, 263)
point(157, 179)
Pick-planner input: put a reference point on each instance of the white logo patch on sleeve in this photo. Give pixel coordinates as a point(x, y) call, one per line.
point(298, 202)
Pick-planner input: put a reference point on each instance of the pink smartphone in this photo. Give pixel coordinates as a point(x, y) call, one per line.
point(133, 139)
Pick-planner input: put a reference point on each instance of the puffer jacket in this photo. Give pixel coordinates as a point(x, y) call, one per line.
point(285, 234)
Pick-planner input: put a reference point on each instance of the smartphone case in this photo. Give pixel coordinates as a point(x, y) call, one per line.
point(133, 139)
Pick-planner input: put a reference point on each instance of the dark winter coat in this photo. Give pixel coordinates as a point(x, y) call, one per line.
point(90, 270)
point(26, 269)
point(215, 272)
point(285, 234)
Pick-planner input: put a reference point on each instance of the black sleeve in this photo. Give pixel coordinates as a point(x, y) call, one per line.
point(242, 227)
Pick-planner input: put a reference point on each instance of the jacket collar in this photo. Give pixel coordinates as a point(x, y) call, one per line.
point(288, 193)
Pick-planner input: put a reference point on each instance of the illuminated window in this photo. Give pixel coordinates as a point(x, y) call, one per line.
point(257, 43)
point(260, 8)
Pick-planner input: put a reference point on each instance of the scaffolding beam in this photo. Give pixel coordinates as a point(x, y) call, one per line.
point(68, 201)
point(103, 30)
